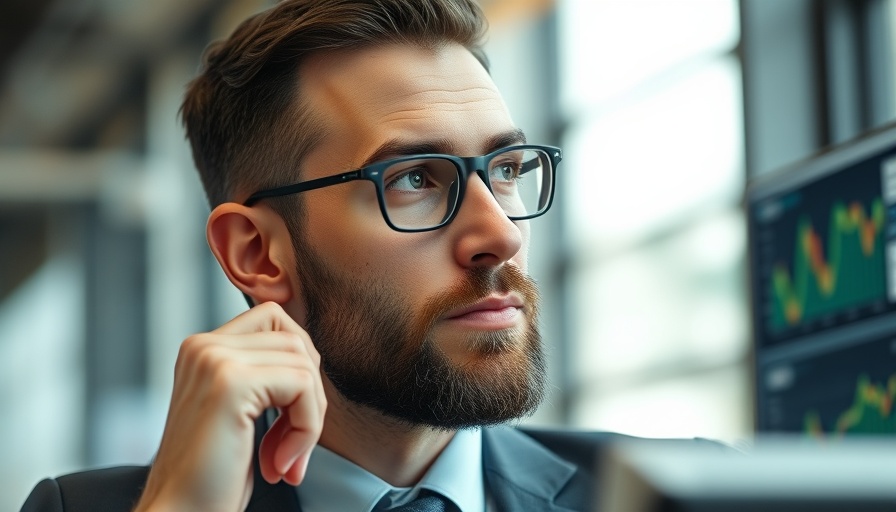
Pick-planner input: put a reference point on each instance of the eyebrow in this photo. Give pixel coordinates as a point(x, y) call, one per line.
point(397, 147)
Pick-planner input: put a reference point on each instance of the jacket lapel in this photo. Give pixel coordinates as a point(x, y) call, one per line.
point(521, 474)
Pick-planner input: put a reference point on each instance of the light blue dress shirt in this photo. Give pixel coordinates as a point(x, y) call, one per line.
point(333, 483)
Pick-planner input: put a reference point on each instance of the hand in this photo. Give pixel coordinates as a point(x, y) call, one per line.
point(223, 381)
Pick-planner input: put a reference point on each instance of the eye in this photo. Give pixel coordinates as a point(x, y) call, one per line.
point(507, 171)
point(414, 179)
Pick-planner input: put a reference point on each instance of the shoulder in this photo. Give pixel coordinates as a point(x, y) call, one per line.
point(108, 489)
point(546, 469)
point(534, 469)
point(577, 448)
point(581, 448)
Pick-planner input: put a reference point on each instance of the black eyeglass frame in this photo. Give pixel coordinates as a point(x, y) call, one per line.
point(466, 165)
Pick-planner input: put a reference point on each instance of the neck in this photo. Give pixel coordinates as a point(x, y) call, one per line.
point(398, 453)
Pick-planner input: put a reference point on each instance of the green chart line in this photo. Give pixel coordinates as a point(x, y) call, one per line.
point(870, 413)
point(848, 271)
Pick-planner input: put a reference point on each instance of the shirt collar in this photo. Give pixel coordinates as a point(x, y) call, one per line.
point(335, 483)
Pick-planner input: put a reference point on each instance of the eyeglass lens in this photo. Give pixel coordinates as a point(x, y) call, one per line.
point(423, 193)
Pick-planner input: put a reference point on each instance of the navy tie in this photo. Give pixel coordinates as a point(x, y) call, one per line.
point(429, 502)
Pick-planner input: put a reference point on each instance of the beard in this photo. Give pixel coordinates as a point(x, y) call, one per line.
point(378, 348)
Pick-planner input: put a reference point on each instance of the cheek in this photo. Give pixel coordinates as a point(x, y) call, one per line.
point(522, 257)
point(341, 219)
point(411, 264)
point(361, 203)
point(355, 240)
point(413, 267)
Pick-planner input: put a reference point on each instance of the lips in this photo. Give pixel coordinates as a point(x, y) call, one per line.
point(493, 303)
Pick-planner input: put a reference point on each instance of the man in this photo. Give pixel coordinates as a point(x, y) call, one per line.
point(395, 326)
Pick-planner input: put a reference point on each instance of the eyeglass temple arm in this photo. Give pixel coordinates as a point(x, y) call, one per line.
point(303, 186)
point(531, 165)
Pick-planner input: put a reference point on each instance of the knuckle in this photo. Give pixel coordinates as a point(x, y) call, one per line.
point(191, 344)
point(316, 428)
point(190, 349)
point(297, 341)
point(222, 377)
point(315, 356)
point(206, 359)
point(293, 341)
point(304, 377)
point(271, 308)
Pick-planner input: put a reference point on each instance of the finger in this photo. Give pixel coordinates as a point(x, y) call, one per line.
point(211, 347)
point(319, 383)
point(311, 348)
point(292, 436)
point(305, 419)
point(285, 450)
point(266, 450)
point(320, 394)
point(294, 448)
point(262, 357)
point(296, 473)
point(267, 318)
point(273, 358)
point(278, 435)
point(262, 318)
point(281, 386)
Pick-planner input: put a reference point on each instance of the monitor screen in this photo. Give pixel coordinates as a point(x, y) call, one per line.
point(822, 241)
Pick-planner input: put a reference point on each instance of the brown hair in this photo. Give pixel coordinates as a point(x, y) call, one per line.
point(248, 126)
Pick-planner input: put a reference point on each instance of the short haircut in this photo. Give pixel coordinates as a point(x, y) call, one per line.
point(248, 126)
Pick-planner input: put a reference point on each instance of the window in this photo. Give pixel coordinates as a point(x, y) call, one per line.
point(654, 171)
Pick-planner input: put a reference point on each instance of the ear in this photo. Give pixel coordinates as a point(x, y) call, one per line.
point(254, 249)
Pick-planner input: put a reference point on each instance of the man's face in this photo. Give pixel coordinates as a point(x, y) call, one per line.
point(435, 328)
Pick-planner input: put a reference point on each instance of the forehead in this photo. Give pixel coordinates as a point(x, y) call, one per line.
point(368, 97)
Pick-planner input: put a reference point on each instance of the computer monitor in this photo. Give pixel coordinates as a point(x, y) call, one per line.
point(781, 474)
point(822, 261)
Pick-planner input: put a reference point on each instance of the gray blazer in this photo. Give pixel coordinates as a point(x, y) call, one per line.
point(525, 470)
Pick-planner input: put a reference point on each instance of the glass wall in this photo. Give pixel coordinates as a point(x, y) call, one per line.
point(652, 94)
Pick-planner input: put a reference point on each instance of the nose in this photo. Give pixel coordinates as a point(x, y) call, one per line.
point(482, 233)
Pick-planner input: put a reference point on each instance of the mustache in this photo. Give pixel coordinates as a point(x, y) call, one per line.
point(480, 282)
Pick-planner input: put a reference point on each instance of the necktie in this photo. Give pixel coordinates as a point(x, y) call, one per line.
point(429, 502)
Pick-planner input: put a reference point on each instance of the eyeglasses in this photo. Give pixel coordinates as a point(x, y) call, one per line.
point(424, 192)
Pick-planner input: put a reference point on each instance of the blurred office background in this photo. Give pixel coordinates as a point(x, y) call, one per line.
point(664, 109)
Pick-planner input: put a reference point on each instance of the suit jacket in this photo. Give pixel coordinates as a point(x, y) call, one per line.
point(525, 470)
